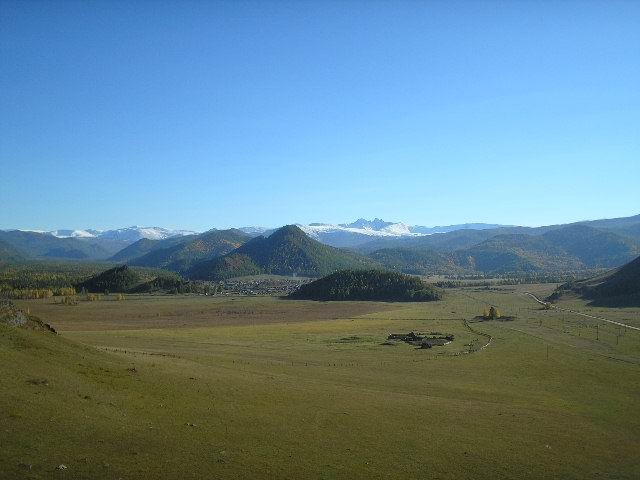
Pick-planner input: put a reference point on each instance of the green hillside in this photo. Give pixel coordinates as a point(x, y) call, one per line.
point(123, 279)
point(368, 285)
point(287, 251)
point(416, 261)
point(180, 256)
point(117, 279)
point(616, 288)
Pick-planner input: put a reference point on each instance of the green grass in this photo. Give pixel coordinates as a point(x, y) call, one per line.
point(293, 389)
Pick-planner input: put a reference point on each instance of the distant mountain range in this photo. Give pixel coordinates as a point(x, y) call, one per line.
point(179, 254)
point(362, 231)
point(287, 251)
point(130, 234)
point(506, 250)
point(318, 248)
point(93, 244)
point(80, 244)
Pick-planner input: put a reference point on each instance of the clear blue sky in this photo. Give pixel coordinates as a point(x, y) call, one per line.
point(213, 114)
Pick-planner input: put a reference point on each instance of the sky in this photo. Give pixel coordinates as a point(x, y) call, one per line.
point(214, 114)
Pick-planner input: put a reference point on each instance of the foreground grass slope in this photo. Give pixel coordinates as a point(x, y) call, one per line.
point(209, 391)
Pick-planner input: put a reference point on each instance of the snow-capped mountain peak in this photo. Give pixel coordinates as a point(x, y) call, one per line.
point(136, 233)
point(350, 234)
point(376, 224)
point(373, 228)
point(74, 233)
point(129, 234)
point(398, 229)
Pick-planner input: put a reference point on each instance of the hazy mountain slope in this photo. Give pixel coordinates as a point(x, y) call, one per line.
point(135, 250)
point(109, 242)
point(8, 253)
point(42, 245)
point(182, 255)
point(287, 251)
point(453, 228)
point(594, 248)
point(109, 246)
point(443, 242)
point(146, 245)
point(613, 223)
point(632, 231)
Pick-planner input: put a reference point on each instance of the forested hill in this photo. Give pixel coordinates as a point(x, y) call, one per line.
point(368, 285)
point(123, 279)
point(287, 251)
point(180, 256)
point(117, 279)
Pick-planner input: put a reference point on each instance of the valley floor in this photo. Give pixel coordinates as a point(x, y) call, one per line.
point(258, 387)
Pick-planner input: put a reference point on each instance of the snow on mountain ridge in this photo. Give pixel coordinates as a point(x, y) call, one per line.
point(387, 230)
point(133, 233)
point(376, 224)
point(399, 229)
point(73, 233)
point(344, 234)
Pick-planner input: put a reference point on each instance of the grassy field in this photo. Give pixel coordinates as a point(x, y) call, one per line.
point(248, 387)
